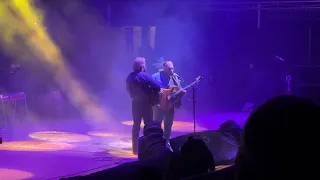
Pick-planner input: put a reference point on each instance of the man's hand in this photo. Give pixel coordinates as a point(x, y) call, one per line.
point(183, 92)
point(160, 92)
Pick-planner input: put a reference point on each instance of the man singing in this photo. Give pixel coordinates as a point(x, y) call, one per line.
point(144, 92)
point(166, 77)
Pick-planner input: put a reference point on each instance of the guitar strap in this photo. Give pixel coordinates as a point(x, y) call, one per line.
point(174, 80)
point(176, 83)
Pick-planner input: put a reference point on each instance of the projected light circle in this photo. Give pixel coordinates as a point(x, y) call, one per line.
point(34, 146)
point(123, 154)
point(59, 136)
point(122, 148)
point(106, 134)
point(178, 126)
point(13, 174)
point(222, 167)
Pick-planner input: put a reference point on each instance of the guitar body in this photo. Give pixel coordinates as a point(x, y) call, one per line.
point(172, 95)
point(169, 97)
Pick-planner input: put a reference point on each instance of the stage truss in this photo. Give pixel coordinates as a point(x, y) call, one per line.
point(300, 10)
point(294, 10)
point(307, 11)
point(263, 5)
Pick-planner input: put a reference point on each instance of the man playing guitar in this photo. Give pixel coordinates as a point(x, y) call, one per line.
point(167, 78)
point(144, 92)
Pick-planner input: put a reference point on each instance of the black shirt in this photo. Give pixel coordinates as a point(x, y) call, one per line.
point(142, 87)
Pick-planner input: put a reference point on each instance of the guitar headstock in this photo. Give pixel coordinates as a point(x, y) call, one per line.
point(199, 78)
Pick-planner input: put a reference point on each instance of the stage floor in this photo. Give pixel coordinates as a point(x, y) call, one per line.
point(43, 150)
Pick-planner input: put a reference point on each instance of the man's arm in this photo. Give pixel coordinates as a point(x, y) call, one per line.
point(128, 86)
point(179, 82)
point(151, 80)
point(154, 76)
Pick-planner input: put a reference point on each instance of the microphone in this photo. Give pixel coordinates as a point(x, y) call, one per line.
point(180, 78)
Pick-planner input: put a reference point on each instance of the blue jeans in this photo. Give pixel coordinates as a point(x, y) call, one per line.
point(140, 110)
point(167, 116)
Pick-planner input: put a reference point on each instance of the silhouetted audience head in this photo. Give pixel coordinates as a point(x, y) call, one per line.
point(196, 156)
point(151, 128)
point(279, 139)
point(152, 142)
point(193, 159)
point(149, 172)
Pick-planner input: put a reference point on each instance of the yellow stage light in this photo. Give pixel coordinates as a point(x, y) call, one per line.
point(178, 126)
point(34, 146)
point(122, 153)
point(106, 134)
point(121, 149)
point(222, 167)
point(121, 144)
point(59, 136)
point(23, 34)
point(13, 174)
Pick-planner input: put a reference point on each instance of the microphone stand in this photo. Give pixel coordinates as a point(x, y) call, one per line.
point(194, 107)
point(193, 102)
point(288, 79)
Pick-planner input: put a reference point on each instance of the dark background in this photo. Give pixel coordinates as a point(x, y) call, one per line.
point(237, 59)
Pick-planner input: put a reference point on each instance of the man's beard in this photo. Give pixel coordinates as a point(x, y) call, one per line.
point(169, 73)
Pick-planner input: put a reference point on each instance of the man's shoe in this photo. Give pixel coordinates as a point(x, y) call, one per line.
point(168, 145)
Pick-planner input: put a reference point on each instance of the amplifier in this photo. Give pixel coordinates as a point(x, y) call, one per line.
point(12, 97)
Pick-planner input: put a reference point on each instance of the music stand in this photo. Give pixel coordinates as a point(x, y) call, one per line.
point(12, 98)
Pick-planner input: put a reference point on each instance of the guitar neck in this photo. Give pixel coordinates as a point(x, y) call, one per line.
point(187, 87)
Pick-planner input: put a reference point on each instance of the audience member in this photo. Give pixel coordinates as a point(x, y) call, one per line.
point(279, 139)
point(195, 158)
point(148, 168)
point(226, 173)
point(152, 144)
point(278, 142)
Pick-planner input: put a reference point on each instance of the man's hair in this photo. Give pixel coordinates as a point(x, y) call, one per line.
point(196, 156)
point(138, 63)
point(153, 144)
point(166, 63)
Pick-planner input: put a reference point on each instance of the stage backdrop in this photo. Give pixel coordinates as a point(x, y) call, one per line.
point(239, 61)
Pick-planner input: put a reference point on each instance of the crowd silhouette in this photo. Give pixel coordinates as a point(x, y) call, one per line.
point(278, 141)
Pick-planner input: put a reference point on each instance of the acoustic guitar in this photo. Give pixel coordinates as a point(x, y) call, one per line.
point(170, 96)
